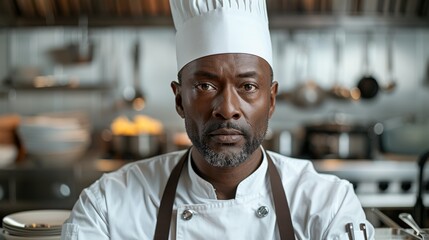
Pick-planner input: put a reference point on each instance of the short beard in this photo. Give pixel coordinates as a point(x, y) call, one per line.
point(223, 159)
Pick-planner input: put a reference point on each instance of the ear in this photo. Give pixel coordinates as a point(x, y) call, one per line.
point(273, 95)
point(177, 91)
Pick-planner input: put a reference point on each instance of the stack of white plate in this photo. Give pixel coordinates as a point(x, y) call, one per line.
point(54, 140)
point(34, 225)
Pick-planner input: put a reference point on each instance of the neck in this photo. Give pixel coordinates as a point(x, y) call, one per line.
point(225, 179)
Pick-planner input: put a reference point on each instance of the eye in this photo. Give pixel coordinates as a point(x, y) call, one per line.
point(205, 87)
point(249, 87)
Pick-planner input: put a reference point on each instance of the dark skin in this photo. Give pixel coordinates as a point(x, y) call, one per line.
point(226, 88)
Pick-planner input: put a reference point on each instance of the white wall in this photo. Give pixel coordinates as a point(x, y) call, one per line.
point(112, 65)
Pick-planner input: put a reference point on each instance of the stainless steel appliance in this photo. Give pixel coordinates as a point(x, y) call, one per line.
point(342, 141)
point(380, 183)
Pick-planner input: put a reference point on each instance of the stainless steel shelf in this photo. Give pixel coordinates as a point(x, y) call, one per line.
point(57, 88)
point(345, 21)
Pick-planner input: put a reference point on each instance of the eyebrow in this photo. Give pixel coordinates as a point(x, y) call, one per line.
point(251, 74)
point(205, 74)
point(209, 75)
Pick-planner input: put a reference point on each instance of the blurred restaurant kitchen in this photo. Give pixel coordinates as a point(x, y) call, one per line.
point(85, 88)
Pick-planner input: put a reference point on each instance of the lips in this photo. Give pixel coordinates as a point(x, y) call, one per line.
point(226, 135)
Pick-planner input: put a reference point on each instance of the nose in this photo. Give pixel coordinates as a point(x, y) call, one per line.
point(227, 105)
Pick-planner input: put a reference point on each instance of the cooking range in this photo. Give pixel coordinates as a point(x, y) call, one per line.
point(380, 183)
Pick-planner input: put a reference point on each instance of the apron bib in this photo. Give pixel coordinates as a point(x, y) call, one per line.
point(162, 230)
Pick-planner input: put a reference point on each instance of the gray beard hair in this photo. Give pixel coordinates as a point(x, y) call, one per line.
point(225, 159)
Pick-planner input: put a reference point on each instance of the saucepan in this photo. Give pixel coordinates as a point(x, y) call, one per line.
point(136, 138)
point(368, 84)
point(137, 147)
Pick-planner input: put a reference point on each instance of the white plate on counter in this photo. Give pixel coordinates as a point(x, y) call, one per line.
point(34, 225)
point(11, 237)
point(39, 219)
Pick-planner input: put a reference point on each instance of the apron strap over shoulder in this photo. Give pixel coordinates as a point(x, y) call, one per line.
point(162, 229)
point(284, 221)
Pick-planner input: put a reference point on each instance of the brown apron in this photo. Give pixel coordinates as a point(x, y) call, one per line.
point(284, 221)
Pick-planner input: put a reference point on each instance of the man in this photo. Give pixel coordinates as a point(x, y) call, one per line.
point(226, 186)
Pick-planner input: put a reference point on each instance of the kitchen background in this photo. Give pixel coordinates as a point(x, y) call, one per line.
point(111, 71)
point(316, 47)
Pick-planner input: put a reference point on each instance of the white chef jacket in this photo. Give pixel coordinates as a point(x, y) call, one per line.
point(124, 204)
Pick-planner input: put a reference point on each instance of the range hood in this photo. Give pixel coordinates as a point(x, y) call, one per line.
point(283, 13)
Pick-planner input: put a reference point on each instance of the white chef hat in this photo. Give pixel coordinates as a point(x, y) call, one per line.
point(207, 27)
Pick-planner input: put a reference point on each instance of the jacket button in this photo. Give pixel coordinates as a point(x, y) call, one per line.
point(187, 214)
point(262, 212)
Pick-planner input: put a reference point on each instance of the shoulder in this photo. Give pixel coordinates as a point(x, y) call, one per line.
point(150, 170)
point(303, 184)
point(325, 201)
point(302, 171)
point(147, 176)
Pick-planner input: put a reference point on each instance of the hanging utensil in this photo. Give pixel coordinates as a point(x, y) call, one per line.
point(409, 220)
point(367, 85)
point(283, 45)
point(307, 94)
point(133, 95)
point(391, 82)
point(338, 91)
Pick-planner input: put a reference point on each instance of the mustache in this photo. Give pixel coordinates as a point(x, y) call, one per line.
point(218, 125)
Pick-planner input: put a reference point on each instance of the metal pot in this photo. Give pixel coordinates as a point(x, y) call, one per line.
point(137, 147)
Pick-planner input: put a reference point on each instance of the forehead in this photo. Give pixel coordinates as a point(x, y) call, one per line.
point(230, 62)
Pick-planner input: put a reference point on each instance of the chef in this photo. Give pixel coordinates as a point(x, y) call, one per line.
point(226, 186)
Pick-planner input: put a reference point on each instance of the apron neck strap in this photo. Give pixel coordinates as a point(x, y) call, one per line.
point(284, 221)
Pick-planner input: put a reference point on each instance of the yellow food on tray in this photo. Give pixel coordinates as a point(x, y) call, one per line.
point(141, 124)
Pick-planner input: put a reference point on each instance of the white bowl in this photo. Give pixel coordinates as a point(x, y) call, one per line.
point(58, 159)
point(8, 154)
